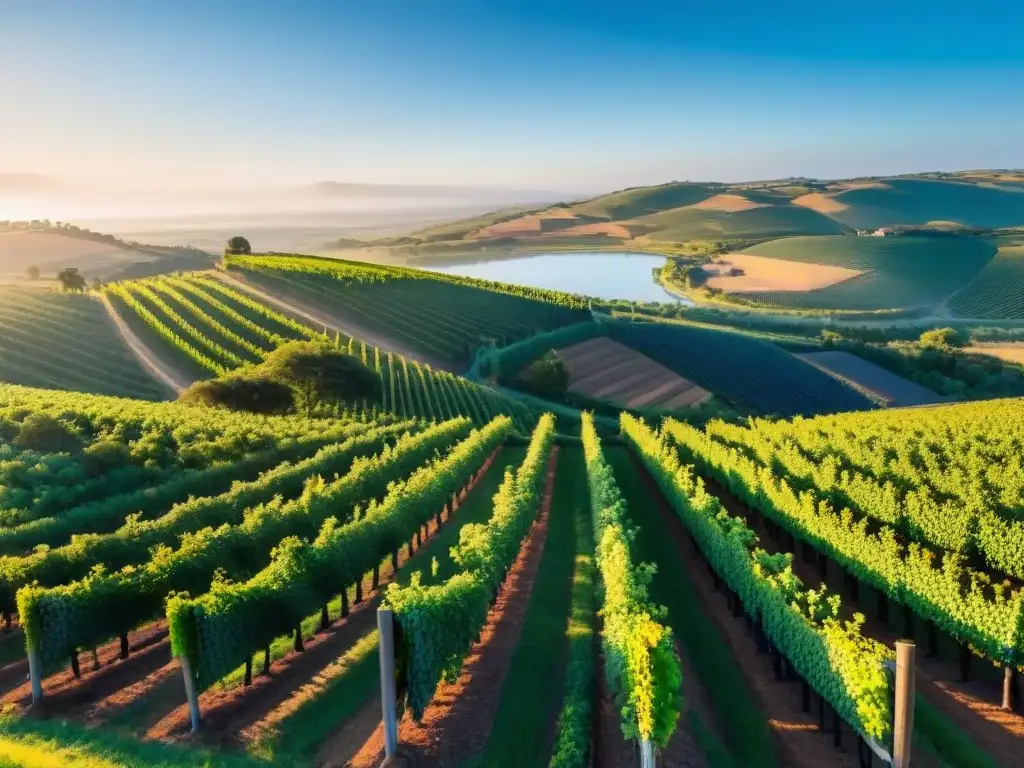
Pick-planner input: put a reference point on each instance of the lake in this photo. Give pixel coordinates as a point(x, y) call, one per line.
point(602, 274)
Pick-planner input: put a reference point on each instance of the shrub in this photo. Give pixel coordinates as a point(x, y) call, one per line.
point(317, 373)
point(44, 433)
point(238, 245)
point(547, 377)
point(254, 394)
point(942, 338)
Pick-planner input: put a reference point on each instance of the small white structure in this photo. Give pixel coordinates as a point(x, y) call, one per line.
point(880, 232)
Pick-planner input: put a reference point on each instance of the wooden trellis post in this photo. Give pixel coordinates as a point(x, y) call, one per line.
point(903, 712)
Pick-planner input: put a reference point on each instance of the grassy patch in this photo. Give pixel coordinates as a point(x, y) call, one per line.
point(354, 678)
point(54, 744)
point(744, 726)
point(523, 725)
point(937, 735)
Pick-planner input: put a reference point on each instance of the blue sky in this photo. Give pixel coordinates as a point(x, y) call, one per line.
point(569, 95)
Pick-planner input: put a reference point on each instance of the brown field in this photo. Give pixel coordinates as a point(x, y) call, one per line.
point(842, 186)
point(816, 201)
point(763, 274)
point(606, 370)
point(1013, 353)
point(529, 226)
point(727, 203)
point(51, 253)
point(598, 228)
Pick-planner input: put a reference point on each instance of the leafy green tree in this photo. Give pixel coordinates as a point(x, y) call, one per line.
point(71, 279)
point(547, 377)
point(319, 373)
point(238, 245)
point(941, 338)
point(32, 273)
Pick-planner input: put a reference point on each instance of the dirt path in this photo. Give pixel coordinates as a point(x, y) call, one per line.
point(317, 317)
point(800, 742)
point(973, 706)
point(64, 694)
point(157, 368)
point(458, 721)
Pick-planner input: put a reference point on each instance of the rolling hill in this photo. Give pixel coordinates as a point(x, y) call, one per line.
point(677, 212)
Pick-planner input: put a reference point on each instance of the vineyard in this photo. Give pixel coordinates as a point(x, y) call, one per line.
point(998, 292)
point(752, 373)
point(207, 327)
point(61, 341)
point(189, 585)
point(444, 317)
point(901, 271)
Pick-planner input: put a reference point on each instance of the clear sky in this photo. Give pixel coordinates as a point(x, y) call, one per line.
point(563, 94)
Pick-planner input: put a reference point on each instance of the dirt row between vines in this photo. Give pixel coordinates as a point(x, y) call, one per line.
point(799, 741)
point(150, 679)
point(457, 723)
point(972, 706)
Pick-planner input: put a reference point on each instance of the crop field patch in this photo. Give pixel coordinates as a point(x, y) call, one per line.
point(998, 291)
point(899, 271)
point(764, 274)
point(727, 203)
point(606, 370)
point(1012, 353)
point(816, 201)
point(895, 390)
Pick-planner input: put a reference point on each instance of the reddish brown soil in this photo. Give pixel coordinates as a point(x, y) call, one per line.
point(237, 715)
point(64, 694)
point(799, 742)
point(611, 750)
point(972, 706)
point(458, 721)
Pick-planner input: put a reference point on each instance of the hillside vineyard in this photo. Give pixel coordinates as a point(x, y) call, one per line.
point(553, 580)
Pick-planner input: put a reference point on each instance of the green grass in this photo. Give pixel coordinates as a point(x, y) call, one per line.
point(630, 203)
point(772, 221)
point(748, 740)
point(901, 271)
point(919, 201)
point(937, 735)
point(35, 743)
point(574, 737)
point(530, 697)
point(298, 736)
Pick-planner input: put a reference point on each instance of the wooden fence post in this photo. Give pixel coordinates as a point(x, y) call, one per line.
point(35, 672)
point(190, 692)
point(388, 695)
point(903, 714)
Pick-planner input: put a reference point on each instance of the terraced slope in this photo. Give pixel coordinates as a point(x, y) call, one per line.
point(66, 341)
point(998, 290)
point(207, 327)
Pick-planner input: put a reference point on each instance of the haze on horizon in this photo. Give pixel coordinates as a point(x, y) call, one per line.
point(180, 104)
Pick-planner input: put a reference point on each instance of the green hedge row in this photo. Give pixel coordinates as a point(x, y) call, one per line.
point(439, 623)
point(222, 628)
point(60, 620)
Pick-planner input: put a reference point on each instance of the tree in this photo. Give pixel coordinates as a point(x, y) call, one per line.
point(71, 279)
point(97, 284)
point(320, 373)
point(241, 393)
point(32, 273)
point(941, 339)
point(547, 377)
point(238, 245)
